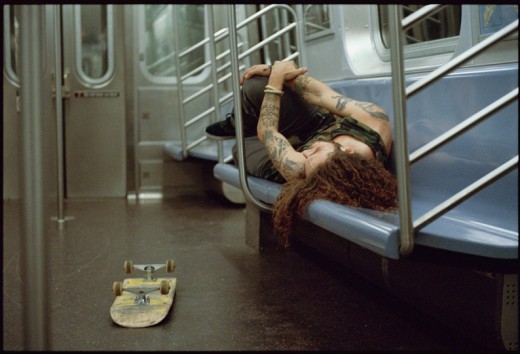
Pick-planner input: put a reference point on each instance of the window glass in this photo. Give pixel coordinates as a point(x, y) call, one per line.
point(160, 40)
point(94, 52)
point(317, 20)
point(496, 17)
point(442, 24)
point(11, 41)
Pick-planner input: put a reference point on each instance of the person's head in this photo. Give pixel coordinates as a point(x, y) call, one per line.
point(343, 178)
point(318, 153)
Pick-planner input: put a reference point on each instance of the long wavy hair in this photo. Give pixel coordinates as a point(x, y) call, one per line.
point(345, 179)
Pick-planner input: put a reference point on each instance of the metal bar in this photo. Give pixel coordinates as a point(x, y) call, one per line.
point(400, 140)
point(198, 93)
point(180, 90)
point(267, 50)
point(59, 117)
point(300, 32)
point(238, 114)
point(199, 116)
point(456, 62)
point(420, 14)
point(197, 142)
point(466, 193)
point(33, 245)
point(269, 39)
point(197, 69)
point(263, 11)
point(463, 126)
point(214, 76)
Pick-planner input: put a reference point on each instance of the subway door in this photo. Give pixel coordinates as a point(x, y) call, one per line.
point(94, 106)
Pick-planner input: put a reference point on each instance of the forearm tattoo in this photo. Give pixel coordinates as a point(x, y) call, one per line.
point(342, 102)
point(368, 107)
point(270, 112)
point(277, 146)
point(301, 84)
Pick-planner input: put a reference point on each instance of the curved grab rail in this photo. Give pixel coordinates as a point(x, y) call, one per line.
point(400, 94)
point(238, 115)
point(401, 139)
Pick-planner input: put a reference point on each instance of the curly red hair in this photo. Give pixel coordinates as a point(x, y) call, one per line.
point(343, 178)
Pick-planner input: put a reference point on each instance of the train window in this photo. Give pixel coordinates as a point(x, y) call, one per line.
point(11, 42)
point(496, 17)
point(317, 21)
point(441, 25)
point(94, 43)
point(159, 51)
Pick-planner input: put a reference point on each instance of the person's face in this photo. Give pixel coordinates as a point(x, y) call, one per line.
point(317, 154)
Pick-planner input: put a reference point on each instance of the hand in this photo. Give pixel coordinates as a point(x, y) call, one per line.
point(256, 70)
point(287, 70)
point(265, 70)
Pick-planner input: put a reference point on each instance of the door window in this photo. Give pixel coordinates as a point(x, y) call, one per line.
point(94, 43)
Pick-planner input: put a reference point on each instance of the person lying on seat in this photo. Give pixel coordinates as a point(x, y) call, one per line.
point(318, 143)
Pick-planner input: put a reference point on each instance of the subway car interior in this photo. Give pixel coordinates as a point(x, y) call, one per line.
point(106, 160)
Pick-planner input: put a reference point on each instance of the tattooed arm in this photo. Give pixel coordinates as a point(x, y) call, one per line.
point(320, 94)
point(286, 160)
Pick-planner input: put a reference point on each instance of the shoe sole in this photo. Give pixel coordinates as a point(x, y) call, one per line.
point(220, 138)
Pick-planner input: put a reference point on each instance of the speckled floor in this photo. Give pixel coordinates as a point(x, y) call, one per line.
point(227, 297)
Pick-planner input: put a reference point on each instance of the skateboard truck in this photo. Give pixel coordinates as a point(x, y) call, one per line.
point(141, 292)
point(149, 269)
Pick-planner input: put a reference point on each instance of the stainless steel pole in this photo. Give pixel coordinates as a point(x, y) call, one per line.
point(34, 265)
point(401, 139)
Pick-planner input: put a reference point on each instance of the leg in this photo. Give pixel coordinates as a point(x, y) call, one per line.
point(297, 117)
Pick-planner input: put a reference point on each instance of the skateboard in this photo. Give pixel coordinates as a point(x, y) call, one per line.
point(143, 302)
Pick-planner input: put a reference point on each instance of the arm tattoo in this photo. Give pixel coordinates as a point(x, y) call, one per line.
point(277, 145)
point(269, 113)
point(277, 148)
point(368, 107)
point(342, 102)
point(371, 109)
point(301, 84)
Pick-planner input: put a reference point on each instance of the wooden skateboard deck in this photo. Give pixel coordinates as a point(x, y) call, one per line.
point(141, 303)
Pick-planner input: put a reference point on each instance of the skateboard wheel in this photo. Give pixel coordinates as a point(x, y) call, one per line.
point(165, 287)
point(128, 266)
point(170, 265)
point(117, 288)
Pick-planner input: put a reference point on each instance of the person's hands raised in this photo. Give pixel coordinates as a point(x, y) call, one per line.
point(289, 68)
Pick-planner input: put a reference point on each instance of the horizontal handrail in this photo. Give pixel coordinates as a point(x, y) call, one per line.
point(461, 59)
point(463, 126)
point(464, 194)
point(420, 14)
point(200, 116)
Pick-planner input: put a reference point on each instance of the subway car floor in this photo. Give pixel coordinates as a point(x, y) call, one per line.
point(227, 297)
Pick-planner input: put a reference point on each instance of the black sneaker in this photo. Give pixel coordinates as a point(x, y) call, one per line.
point(222, 130)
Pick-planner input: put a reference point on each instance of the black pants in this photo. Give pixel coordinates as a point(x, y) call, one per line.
point(298, 121)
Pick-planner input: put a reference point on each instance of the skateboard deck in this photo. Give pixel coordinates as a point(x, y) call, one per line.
point(142, 302)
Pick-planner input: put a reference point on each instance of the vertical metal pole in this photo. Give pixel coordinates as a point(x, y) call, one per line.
point(180, 90)
point(214, 74)
point(238, 112)
point(300, 34)
point(400, 139)
point(59, 115)
point(33, 199)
